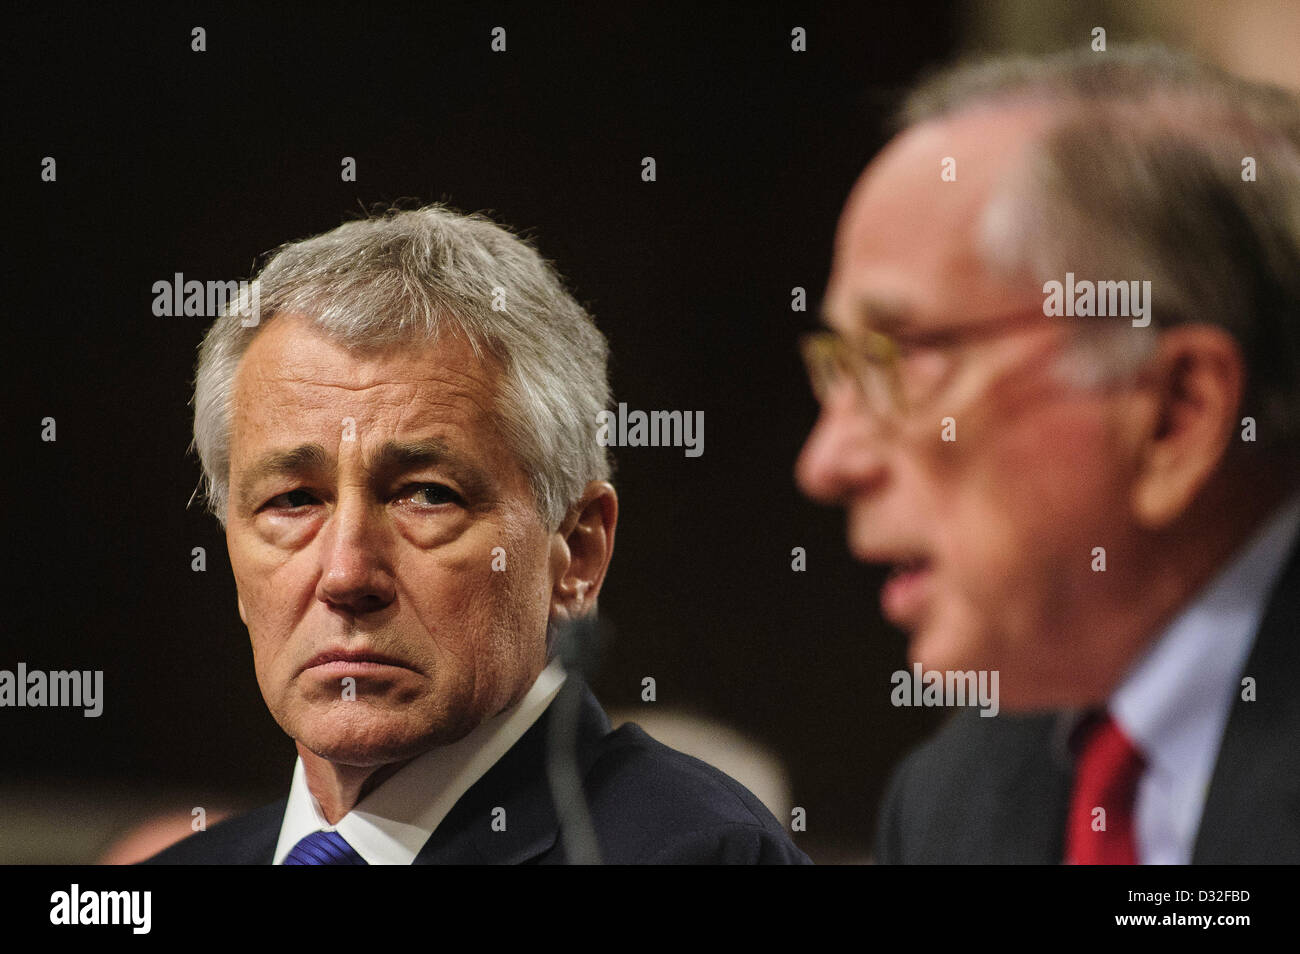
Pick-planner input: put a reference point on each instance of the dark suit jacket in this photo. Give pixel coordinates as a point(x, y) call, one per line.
point(997, 790)
point(649, 804)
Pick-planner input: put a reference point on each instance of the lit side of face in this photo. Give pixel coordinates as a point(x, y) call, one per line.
point(368, 494)
point(991, 534)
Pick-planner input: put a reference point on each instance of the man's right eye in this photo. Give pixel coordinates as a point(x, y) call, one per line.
point(291, 500)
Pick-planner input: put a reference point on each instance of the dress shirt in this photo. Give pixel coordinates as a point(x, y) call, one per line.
point(1174, 702)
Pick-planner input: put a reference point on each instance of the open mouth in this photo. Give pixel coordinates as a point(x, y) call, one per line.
point(905, 591)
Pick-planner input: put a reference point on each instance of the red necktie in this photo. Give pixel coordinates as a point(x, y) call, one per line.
point(1106, 773)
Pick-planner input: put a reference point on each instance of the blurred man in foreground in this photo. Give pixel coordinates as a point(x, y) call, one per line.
point(1061, 399)
point(397, 426)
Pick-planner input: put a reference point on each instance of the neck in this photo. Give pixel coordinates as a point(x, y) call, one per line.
point(338, 788)
point(1183, 558)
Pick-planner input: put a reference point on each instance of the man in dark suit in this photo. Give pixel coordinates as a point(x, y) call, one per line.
point(649, 804)
point(1061, 398)
point(397, 426)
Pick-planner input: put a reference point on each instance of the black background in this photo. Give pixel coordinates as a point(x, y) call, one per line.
point(175, 161)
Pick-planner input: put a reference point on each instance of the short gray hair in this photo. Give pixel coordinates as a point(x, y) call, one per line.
point(1141, 172)
point(412, 276)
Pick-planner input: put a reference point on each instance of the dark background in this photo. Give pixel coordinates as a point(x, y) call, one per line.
point(176, 161)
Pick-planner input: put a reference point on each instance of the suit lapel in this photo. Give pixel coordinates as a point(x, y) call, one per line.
point(1029, 794)
point(514, 791)
point(1252, 809)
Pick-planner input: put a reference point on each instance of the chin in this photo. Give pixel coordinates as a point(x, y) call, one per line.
point(365, 751)
point(942, 649)
point(368, 737)
point(1040, 696)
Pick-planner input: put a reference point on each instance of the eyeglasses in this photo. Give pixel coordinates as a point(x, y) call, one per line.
point(896, 376)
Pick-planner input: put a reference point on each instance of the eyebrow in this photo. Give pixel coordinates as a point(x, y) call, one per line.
point(397, 457)
point(305, 458)
point(393, 457)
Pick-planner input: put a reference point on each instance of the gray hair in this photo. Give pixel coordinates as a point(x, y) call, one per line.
point(1140, 174)
point(412, 276)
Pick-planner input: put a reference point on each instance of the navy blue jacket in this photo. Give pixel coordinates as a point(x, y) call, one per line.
point(649, 804)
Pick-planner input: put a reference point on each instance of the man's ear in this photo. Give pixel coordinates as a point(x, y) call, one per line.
point(581, 549)
point(242, 615)
point(1196, 381)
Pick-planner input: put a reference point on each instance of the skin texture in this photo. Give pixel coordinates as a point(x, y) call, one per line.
point(1006, 516)
point(358, 550)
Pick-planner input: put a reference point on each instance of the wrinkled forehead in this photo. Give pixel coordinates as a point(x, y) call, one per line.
point(293, 349)
point(293, 376)
point(910, 231)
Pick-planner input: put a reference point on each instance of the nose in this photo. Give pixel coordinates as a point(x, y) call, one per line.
point(842, 457)
point(356, 574)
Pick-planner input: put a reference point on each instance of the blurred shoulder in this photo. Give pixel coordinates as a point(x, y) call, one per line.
point(975, 775)
point(653, 804)
point(247, 839)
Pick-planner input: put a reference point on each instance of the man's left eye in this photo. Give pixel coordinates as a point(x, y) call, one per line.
point(430, 495)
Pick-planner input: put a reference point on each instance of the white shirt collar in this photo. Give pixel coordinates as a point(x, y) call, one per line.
point(1174, 702)
point(391, 824)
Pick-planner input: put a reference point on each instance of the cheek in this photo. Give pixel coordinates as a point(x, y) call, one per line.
point(271, 595)
point(453, 598)
point(476, 614)
point(278, 592)
point(1020, 510)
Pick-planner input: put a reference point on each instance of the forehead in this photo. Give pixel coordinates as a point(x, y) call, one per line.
point(292, 371)
point(908, 243)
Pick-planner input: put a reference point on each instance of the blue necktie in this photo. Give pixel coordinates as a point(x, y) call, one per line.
point(323, 848)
